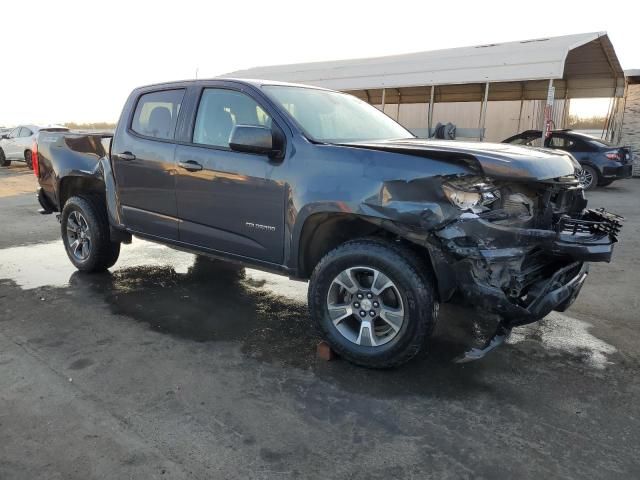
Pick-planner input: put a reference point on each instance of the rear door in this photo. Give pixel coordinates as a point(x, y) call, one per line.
point(578, 148)
point(229, 201)
point(143, 160)
point(10, 145)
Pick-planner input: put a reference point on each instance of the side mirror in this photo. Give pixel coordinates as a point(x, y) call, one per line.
point(251, 139)
point(3, 137)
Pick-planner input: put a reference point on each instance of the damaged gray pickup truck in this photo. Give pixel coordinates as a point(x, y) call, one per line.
point(320, 186)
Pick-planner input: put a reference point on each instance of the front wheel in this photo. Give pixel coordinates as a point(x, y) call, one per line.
point(374, 302)
point(85, 234)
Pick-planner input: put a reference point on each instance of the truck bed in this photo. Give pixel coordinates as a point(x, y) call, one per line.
point(62, 152)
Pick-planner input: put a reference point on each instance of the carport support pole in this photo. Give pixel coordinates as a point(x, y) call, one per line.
point(483, 112)
point(520, 114)
point(566, 105)
point(547, 111)
point(384, 94)
point(521, 105)
point(430, 115)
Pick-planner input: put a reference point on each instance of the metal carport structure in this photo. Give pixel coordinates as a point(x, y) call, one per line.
point(575, 66)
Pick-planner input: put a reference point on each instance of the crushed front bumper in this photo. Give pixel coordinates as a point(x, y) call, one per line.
point(556, 292)
point(522, 274)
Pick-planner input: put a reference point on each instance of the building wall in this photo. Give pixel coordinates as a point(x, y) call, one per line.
point(501, 121)
point(631, 124)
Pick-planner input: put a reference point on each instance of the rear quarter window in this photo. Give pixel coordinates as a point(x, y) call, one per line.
point(156, 114)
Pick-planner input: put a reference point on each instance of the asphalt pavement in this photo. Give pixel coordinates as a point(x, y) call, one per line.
point(175, 366)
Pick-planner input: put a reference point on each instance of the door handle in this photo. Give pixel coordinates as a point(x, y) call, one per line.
point(128, 156)
point(190, 165)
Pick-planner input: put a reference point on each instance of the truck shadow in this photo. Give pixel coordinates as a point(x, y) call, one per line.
point(218, 302)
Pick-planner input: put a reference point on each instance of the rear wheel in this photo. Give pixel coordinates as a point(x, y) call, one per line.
point(588, 177)
point(374, 302)
point(85, 234)
point(28, 160)
point(3, 159)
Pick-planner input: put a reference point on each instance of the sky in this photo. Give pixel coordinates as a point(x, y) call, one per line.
point(76, 61)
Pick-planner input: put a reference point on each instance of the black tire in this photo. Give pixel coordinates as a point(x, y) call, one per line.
point(3, 160)
point(28, 160)
point(604, 183)
point(415, 284)
point(591, 172)
point(102, 252)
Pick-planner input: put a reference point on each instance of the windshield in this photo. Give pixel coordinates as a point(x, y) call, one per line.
point(334, 117)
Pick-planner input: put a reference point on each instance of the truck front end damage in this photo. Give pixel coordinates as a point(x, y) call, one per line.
point(510, 233)
point(519, 250)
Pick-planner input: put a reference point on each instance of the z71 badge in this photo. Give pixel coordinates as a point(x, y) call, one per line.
point(257, 226)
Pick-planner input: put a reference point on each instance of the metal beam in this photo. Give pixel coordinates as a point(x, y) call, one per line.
point(430, 117)
point(384, 94)
point(565, 106)
point(399, 102)
point(521, 105)
point(483, 112)
point(624, 109)
point(548, 109)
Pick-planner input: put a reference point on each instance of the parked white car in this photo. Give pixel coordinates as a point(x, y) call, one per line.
point(17, 144)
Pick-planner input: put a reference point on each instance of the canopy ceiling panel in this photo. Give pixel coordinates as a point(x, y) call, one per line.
point(584, 64)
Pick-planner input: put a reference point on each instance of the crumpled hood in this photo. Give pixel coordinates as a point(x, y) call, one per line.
point(497, 160)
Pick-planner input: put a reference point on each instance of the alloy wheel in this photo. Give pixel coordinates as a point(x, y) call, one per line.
point(585, 177)
point(365, 306)
point(78, 236)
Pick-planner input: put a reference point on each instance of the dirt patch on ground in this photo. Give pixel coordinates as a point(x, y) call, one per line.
point(16, 180)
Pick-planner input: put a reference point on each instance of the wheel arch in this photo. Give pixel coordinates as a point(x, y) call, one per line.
point(74, 185)
point(590, 163)
point(324, 231)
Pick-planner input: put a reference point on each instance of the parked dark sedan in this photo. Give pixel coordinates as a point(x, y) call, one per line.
point(602, 162)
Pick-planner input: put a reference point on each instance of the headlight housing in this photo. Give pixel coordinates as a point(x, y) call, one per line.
point(471, 193)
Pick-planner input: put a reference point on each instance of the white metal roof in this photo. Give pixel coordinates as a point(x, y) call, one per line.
point(586, 61)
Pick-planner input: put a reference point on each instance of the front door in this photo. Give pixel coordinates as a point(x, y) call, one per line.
point(143, 157)
point(229, 201)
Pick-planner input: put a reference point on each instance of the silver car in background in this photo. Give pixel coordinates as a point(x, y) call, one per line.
point(17, 144)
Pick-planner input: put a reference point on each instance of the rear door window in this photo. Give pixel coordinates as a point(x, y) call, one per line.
point(156, 114)
point(567, 143)
point(25, 132)
point(558, 142)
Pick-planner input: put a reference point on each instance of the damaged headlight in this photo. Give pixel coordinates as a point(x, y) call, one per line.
point(470, 193)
